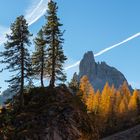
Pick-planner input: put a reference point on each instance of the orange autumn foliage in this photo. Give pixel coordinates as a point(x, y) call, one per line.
point(111, 107)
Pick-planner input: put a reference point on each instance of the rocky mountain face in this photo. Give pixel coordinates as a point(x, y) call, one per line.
point(99, 73)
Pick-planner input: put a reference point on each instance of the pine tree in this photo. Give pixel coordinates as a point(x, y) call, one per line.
point(0, 72)
point(74, 84)
point(17, 57)
point(53, 34)
point(39, 57)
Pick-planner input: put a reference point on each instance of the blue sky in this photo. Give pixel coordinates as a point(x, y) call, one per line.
point(90, 25)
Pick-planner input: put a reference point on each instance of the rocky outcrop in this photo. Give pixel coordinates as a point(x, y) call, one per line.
point(7, 94)
point(48, 114)
point(100, 73)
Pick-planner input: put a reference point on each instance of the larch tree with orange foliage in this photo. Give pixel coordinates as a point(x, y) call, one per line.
point(133, 104)
point(111, 109)
point(105, 100)
point(123, 107)
point(84, 88)
point(125, 91)
point(96, 102)
point(90, 99)
point(111, 115)
point(118, 99)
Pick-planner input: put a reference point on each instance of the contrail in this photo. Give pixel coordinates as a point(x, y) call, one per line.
point(106, 50)
point(71, 66)
point(37, 12)
point(32, 16)
point(116, 45)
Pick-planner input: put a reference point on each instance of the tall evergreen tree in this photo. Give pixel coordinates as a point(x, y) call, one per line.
point(39, 58)
point(74, 83)
point(0, 72)
point(56, 57)
point(17, 57)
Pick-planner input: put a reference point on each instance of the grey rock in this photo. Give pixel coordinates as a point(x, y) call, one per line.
point(7, 94)
point(100, 73)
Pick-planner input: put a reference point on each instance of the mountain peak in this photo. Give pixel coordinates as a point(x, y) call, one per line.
point(87, 65)
point(89, 55)
point(99, 73)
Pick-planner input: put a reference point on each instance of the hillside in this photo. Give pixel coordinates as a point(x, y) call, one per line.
point(47, 115)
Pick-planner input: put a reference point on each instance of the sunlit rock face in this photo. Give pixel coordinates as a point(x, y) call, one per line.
point(99, 73)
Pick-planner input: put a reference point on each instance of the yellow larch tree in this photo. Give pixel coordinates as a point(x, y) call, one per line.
point(123, 107)
point(118, 99)
point(84, 88)
point(112, 99)
point(105, 100)
point(111, 116)
point(125, 91)
point(133, 103)
point(90, 99)
point(96, 103)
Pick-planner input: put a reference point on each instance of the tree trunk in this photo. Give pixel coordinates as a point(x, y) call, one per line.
point(52, 81)
point(22, 76)
point(42, 84)
point(42, 68)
